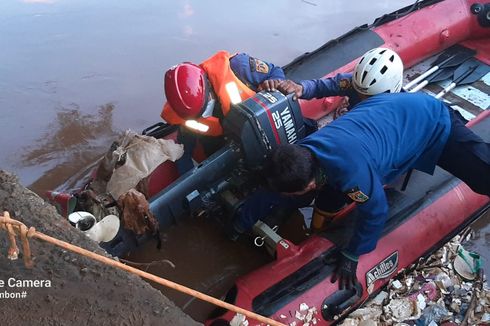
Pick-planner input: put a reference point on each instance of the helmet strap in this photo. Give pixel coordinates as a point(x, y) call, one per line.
point(210, 105)
point(207, 90)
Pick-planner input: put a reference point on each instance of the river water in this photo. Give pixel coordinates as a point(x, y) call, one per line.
point(75, 74)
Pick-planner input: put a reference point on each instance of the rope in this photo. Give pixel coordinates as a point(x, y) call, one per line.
point(9, 224)
point(13, 251)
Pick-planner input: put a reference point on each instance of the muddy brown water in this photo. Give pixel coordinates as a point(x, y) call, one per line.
point(75, 74)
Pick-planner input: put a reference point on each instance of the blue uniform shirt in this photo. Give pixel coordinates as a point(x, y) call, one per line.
point(340, 85)
point(380, 139)
point(252, 72)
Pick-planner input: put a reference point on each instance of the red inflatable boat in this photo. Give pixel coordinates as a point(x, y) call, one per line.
point(431, 209)
point(451, 38)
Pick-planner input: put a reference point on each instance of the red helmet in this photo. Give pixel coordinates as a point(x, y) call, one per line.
point(186, 89)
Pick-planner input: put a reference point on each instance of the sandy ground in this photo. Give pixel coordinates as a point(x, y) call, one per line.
point(82, 292)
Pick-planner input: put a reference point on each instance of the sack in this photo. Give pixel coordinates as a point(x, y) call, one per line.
point(143, 154)
point(136, 214)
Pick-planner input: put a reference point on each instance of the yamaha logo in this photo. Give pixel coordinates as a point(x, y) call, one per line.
point(285, 119)
point(383, 269)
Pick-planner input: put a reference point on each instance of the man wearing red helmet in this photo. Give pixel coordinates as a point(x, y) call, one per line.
point(199, 96)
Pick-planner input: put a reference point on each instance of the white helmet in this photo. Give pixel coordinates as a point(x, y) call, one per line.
point(380, 70)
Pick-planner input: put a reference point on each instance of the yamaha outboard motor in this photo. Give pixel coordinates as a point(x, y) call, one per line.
point(263, 122)
point(252, 128)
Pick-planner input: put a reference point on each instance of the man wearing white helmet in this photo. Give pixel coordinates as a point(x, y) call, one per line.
point(379, 140)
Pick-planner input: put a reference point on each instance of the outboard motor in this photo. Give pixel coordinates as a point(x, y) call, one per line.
point(263, 122)
point(252, 128)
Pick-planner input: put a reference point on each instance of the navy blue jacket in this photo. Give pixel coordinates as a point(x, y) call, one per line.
point(379, 140)
point(340, 85)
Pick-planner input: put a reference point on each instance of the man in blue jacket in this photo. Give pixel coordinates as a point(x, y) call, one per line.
point(379, 140)
point(386, 71)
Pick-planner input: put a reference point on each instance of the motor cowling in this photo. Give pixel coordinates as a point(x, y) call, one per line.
point(262, 123)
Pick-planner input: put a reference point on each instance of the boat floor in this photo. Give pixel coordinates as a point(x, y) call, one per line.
point(469, 100)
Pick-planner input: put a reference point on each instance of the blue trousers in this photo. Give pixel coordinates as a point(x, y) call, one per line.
point(467, 156)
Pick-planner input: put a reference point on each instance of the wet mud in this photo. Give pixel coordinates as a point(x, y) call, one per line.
point(80, 291)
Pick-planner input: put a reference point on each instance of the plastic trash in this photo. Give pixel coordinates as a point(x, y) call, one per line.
point(434, 313)
point(467, 264)
point(428, 289)
point(403, 309)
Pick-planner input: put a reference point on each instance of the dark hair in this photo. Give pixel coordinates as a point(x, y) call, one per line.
point(290, 168)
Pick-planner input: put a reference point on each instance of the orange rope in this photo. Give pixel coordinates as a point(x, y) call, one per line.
point(13, 251)
point(111, 262)
point(26, 247)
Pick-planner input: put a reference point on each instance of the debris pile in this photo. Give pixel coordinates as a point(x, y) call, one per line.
point(305, 316)
point(447, 288)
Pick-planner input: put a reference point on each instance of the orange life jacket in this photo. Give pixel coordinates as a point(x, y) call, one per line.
point(219, 74)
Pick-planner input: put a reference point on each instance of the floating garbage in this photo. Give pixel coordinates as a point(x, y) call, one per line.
point(306, 316)
point(467, 264)
point(380, 298)
point(239, 320)
point(434, 314)
point(446, 289)
point(402, 309)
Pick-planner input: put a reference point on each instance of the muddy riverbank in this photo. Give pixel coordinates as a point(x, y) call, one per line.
point(72, 290)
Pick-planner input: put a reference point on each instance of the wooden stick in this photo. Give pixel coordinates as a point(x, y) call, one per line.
point(471, 307)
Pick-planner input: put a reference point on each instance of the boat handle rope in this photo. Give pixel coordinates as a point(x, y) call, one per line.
point(14, 227)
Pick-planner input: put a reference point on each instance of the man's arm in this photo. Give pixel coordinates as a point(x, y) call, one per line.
point(262, 202)
point(340, 85)
point(363, 186)
point(372, 213)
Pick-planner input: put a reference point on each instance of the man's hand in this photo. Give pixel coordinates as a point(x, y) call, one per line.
point(345, 271)
point(288, 87)
point(342, 109)
point(269, 85)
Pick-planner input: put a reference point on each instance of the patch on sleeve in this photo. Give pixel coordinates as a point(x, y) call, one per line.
point(258, 66)
point(357, 195)
point(344, 84)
